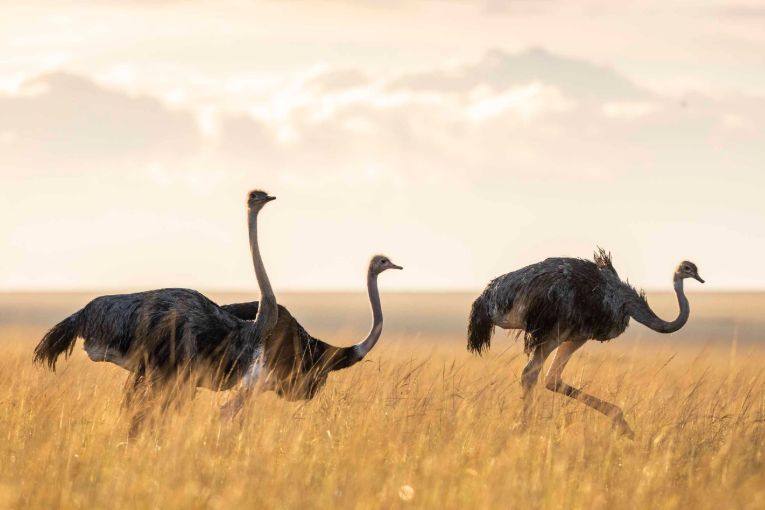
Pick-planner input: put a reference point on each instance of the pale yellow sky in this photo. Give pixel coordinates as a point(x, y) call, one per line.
point(463, 139)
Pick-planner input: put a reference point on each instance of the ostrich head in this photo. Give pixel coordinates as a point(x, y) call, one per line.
point(380, 263)
point(257, 199)
point(687, 269)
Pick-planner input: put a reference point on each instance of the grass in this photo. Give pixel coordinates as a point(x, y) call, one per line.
point(420, 426)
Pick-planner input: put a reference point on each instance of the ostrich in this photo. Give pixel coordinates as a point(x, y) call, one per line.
point(169, 335)
point(294, 364)
point(563, 302)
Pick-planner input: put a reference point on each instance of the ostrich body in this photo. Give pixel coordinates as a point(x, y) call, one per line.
point(160, 335)
point(562, 303)
point(296, 365)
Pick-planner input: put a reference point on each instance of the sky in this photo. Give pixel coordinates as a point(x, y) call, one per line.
point(463, 139)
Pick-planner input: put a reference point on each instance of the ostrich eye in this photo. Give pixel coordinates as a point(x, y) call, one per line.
point(384, 261)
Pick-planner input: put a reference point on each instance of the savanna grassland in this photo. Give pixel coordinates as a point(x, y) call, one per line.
point(421, 424)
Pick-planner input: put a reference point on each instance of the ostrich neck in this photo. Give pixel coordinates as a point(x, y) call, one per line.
point(642, 313)
point(266, 317)
point(344, 357)
point(363, 347)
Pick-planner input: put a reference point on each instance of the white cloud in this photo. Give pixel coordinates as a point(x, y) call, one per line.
point(207, 122)
point(526, 101)
point(490, 159)
point(70, 115)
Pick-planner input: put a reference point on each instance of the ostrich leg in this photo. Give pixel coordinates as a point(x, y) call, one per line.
point(138, 396)
point(248, 386)
point(134, 388)
point(142, 394)
point(530, 374)
point(554, 382)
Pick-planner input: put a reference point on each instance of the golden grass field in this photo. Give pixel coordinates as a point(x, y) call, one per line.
point(421, 424)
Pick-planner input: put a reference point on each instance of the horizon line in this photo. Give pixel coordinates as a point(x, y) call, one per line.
point(324, 290)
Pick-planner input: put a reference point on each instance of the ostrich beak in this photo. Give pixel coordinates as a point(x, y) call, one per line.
point(394, 266)
point(699, 278)
point(269, 198)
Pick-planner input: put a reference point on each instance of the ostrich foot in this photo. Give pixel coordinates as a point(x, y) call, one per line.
point(622, 427)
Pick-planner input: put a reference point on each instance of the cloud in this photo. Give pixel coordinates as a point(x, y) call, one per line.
point(746, 10)
point(503, 154)
point(527, 101)
point(332, 80)
point(498, 114)
point(66, 118)
point(500, 70)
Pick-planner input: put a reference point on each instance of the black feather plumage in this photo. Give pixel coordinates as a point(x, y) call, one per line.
point(164, 332)
point(557, 298)
point(296, 363)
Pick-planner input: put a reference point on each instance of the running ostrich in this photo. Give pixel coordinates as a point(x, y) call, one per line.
point(170, 335)
point(563, 302)
point(294, 364)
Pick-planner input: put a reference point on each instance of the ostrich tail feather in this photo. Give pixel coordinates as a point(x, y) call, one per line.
point(480, 327)
point(59, 340)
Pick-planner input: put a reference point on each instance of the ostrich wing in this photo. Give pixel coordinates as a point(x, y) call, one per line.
point(243, 311)
point(290, 341)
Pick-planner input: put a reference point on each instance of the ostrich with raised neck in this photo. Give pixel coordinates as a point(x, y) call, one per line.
point(296, 365)
point(562, 303)
point(166, 334)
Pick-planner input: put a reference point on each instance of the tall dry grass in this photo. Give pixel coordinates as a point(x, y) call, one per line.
point(417, 426)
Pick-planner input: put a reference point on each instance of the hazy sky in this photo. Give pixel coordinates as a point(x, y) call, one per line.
point(463, 139)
